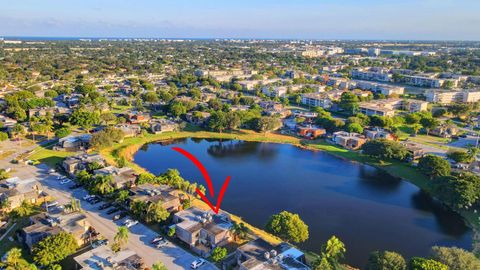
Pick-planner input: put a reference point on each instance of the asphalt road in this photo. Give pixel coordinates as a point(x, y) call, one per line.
point(140, 236)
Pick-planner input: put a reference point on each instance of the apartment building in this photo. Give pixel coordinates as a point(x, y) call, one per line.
point(371, 74)
point(449, 96)
point(384, 89)
point(324, 99)
point(388, 107)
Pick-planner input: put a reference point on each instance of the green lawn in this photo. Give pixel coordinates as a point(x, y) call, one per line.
point(49, 156)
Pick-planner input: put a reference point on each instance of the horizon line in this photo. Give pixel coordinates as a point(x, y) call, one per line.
point(49, 38)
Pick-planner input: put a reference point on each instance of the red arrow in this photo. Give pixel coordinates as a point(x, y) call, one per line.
point(205, 174)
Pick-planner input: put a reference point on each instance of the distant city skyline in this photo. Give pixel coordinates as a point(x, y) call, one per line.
point(260, 19)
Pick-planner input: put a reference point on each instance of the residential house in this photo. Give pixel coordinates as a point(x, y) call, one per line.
point(351, 141)
point(414, 151)
point(378, 133)
point(261, 255)
point(445, 131)
point(73, 164)
point(103, 257)
point(73, 143)
point(197, 118)
point(311, 132)
point(46, 224)
point(137, 117)
point(129, 130)
point(158, 126)
point(153, 194)
point(122, 177)
point(16, 190)
point(203, 230)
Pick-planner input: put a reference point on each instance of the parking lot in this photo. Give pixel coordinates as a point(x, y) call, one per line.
point(140, 235)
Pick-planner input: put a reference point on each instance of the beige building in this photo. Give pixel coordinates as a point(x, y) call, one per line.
point(449, 96)
point(15, 191)
point(388, 107)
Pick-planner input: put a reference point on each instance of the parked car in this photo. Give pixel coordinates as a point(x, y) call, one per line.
point(157, 239)
point(130, 223)
point(98, 243)
point(87, 197)
point(75, 186)
point(49, 204)
point(65, 181)
point(104, 206)
point(94, 200)
point(113, 210)
point(120, 215)
point(197, 263)
point(61, 177)
point(161, 243)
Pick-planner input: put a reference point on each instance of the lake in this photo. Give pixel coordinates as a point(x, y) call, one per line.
point(365, 207)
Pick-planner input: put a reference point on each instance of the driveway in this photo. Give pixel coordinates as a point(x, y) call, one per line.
point(140, 236)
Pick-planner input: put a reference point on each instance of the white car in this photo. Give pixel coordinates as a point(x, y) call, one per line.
point(197, 263)
point(65, 181)
point(61, 177)
point(131, 223)
point(88, 196)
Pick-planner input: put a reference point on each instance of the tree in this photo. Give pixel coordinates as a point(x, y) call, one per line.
point(429, 123)
point(218, 254)
point(459, 156)
point(218, 121)
point(3, 136)
point(349, 102)
point(434, 166)
point(156, 213)
point(288, 226)
point(159, 266)
point(333, 251)
point(455, 258)
point(62, 132)
point(4, 174)
point(171, 231)
point(417, 263)
point(84, 118)
point(267, 123)
point(386, 260)
point(385, 149)
point(120, 239)
point(177, 109)
point(354, 127)
point(54, 248)
point(232, 120)
point(239, 230)
point(122, 196)
point(15, 261)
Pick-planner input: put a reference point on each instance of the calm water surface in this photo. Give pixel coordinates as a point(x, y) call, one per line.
point(363, 206)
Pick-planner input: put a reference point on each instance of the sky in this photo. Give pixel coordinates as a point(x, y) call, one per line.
point(281, 19)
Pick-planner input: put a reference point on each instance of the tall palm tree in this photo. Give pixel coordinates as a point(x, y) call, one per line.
point(472, 151)
point(121, 237)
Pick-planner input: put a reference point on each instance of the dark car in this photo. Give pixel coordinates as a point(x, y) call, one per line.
point(75, 186)
point(94, 200)
point(104, 206)
point(113, 210)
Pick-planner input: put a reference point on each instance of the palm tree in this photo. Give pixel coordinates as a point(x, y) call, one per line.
point(121, 237)
point(239, 230)
point(472, 151)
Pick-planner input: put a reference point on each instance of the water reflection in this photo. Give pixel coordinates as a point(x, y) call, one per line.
point(448, 221)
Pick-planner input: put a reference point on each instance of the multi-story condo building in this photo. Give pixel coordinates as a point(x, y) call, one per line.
point(449, 96)
point(371, 74)
point(388, 107)
point(324, 99)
